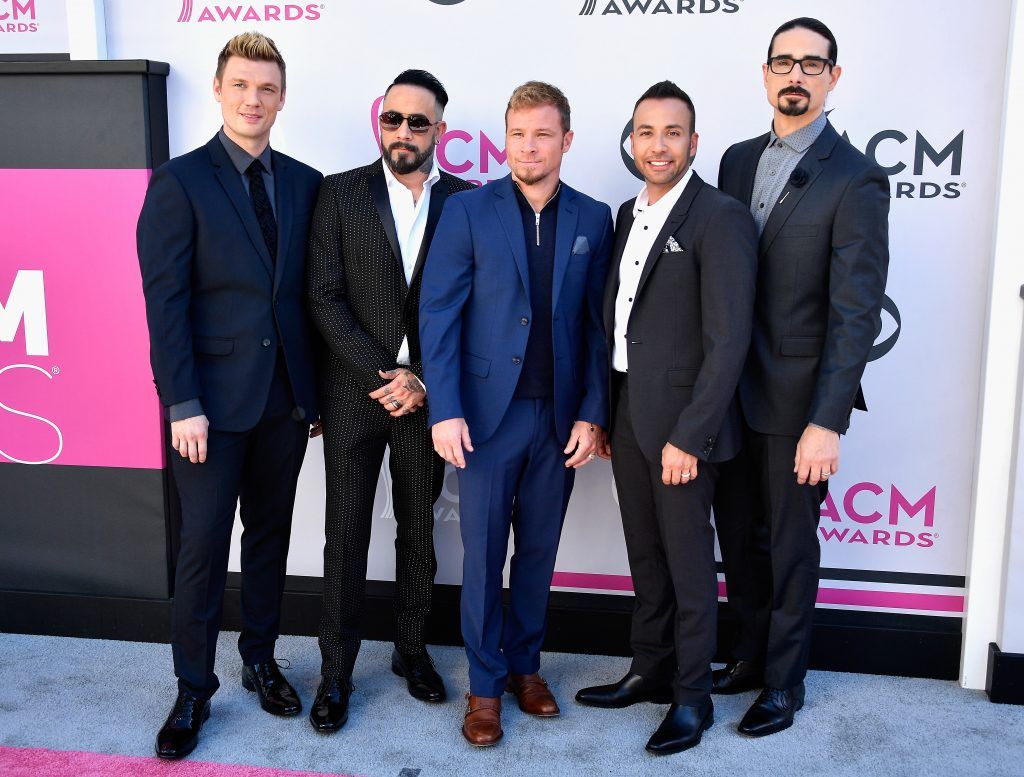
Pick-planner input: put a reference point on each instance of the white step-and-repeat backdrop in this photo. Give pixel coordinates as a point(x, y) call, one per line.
point(921, 92)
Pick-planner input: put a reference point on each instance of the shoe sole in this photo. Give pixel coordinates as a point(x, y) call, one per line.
point(179, 756)
point(250, 686)
point(688, 746)
point(396, 669)
point(774, 729)
point(483, 744)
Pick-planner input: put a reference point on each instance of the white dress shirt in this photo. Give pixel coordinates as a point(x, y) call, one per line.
point(648, 221)
point(410, 223)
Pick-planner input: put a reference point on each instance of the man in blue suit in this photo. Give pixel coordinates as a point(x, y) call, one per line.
point(222, 242)
point(516, 362)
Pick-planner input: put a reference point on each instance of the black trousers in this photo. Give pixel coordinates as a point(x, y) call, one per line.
point(670, 546)
point(260, 467)
point(357, 429)
point(768, 532)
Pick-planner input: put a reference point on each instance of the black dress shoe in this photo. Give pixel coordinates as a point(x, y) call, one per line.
point(737, 677)
point(180, 733)
point(631, 689)
point(682, 728)
point(772, 711)
point(420, 675)
point(330, 707)
point(276, 695)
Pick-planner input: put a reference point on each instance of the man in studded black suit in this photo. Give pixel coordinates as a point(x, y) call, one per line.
point(371, 231)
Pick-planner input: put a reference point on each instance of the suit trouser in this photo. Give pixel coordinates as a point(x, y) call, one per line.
point(261, 467)
point(515, 480)
point(670, 544)
point(356, 431)
point(768, 532)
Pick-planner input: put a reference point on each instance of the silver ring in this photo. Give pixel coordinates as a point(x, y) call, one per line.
point(396, 404)
point(825, 475)
point(686, 476)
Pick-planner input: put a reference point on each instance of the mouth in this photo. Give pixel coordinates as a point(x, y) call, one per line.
point(659, 164)
point(252, 118)
point(795, 95)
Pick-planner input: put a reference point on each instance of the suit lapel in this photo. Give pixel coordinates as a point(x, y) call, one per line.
point(512, 221)
point(284, 200)
point(748, 167)
point(565, 233)
point(672, 223)
point(382, 202)
point(791, 195)
point(611, 286)
point(231, 181)
point(438, 194)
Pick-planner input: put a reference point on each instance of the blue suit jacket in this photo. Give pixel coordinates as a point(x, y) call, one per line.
point(217, 305)
point(475, 312)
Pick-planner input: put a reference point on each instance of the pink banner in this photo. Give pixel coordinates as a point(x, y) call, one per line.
point(75, 381)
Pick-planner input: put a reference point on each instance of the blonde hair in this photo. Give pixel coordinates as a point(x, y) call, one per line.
point(536, 93)
point(251, 45)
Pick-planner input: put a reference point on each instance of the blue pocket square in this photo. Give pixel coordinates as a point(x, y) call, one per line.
point(581, 246)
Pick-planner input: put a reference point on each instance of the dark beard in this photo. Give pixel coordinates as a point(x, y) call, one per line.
point(787, 108)
point(420, 160)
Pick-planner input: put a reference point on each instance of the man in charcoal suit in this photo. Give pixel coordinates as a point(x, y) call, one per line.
point(821, 208)
point(222, 242)
point(677, 311)
point(371, 231)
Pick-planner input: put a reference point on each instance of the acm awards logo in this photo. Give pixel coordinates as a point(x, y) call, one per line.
point(657, 7)
point(244, 12)
point(18, 16)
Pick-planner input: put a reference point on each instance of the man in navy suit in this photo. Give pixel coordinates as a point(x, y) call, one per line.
point(222, 241)
point(516, 362)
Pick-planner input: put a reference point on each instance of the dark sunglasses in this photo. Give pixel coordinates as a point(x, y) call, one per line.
point(418, 123)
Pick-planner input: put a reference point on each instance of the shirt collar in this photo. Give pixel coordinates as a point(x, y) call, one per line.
point(240, 158)
point(802, 139)
point(434, 177)
point(667, 201)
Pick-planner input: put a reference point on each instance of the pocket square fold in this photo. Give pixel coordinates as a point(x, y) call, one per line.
point(581, 246)
point(671, 246)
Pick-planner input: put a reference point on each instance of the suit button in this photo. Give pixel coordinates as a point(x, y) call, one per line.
point(266, 342)
point(516, 360)
point(299, 413)
point(524, 321)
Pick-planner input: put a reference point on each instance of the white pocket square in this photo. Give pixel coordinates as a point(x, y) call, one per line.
point(672, 247)
point(581, 246)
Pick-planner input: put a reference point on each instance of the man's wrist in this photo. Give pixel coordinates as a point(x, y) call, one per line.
point(813, 425)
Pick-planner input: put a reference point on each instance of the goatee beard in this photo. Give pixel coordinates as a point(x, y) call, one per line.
point(406, 165)
point(787, 108)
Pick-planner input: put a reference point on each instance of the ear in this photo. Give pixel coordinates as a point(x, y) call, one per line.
point(693, 146)
point(567, 141)
point(764, 74)
point(834, 78)
point(217, 93)
point(439, 130)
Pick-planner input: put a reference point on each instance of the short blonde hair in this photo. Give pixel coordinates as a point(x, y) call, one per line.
point(250, 45)
point(535, 93)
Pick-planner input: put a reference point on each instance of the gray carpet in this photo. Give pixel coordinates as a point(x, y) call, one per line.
point(111, 697)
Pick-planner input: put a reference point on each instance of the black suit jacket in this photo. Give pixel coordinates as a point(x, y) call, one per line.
point(822, 264)
point(358, 294)
point(217, 305)
point(689, 327)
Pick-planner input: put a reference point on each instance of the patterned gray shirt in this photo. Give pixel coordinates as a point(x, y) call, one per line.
point(777, 163)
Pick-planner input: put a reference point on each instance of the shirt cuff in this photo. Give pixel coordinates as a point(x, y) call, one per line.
point(190, 408)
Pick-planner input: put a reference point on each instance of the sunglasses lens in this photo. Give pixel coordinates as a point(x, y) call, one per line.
point(419, 123)
point(391, 120)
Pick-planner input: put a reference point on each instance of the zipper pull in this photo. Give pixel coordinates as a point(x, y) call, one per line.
point(536, 216)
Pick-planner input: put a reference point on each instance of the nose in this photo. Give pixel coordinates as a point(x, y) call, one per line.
point(403, 130)
point(252, 96)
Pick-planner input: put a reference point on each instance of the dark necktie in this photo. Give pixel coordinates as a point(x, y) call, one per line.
point(261, 204)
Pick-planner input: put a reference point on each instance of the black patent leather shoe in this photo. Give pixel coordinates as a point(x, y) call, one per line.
point(737, 677)
point(631, 689)
point(420, 676)
point(772, 711)
point(330, 707)
point(682, 728)
point(275, 693)
point(180, 733)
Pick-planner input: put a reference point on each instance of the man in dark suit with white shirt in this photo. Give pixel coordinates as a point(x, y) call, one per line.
point(821, 208)
point(677, 314)
point(368, 244)
point(221, 242)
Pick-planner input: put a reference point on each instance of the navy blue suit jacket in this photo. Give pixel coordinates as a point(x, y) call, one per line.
point(217, 306)
point(475, 312)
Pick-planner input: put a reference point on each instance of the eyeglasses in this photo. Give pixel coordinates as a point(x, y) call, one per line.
point(418, 123)
point(811, 66)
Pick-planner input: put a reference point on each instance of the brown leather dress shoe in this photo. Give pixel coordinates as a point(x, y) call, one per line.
point(482, 727)
point(533, 695)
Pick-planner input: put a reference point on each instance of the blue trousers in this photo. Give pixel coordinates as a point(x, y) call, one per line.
point(515, 480)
